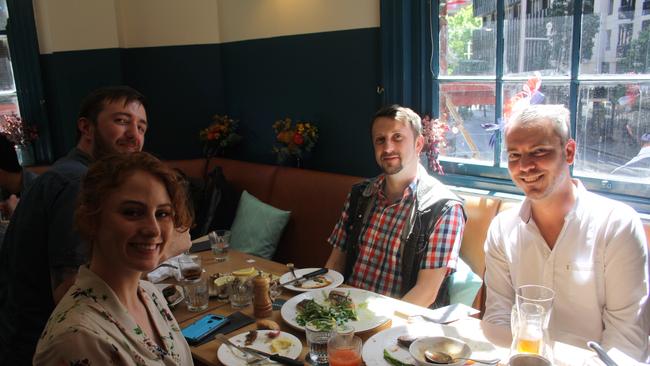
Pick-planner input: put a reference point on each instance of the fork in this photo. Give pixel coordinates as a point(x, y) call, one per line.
point(255, 357)
point(291, 268)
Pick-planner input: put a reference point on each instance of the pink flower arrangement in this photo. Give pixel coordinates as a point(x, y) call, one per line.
point(16, 130)
point(434, 131)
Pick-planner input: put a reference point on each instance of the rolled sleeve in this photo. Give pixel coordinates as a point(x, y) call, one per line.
point(339, 235)
point(445, 239)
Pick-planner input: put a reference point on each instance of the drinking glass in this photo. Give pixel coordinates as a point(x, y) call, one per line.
point(196, 293)
point(275, 289)
point(529, 321)
point(220, 242)
point(344, 348)
point(317, 342)
point(240, 292)
point(190, 266)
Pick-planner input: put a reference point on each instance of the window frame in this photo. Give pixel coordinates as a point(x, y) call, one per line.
point(493, 178)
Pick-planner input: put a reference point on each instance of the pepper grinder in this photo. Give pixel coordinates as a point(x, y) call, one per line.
point(262, 305)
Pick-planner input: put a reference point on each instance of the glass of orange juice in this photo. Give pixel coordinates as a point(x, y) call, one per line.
point(344, 350)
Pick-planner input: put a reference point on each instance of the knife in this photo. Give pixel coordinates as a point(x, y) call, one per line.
point(241, 349)
point(276, 357)
point(306, 276)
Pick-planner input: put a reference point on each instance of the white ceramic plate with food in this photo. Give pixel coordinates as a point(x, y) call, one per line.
point(386, 340)
point(372, 309)
point(230, 356)
point(331, 279)
point(177, 298)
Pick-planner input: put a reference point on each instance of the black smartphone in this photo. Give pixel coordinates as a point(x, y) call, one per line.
point(203, 327)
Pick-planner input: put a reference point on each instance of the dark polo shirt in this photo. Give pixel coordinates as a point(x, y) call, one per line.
point(40, 237)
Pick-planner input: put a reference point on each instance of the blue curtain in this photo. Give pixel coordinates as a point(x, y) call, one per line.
point(406, 47)
point(23, 46)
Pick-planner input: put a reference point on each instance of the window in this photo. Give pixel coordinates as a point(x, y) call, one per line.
point(8, 98)
point(483, 51)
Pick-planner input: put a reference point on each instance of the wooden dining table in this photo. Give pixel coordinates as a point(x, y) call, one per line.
point(479, 333)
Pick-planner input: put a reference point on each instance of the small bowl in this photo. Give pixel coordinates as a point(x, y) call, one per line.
point(451, 346)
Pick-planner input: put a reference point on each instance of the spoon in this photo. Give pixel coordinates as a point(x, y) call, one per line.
point(443, 358)
point(602, 354)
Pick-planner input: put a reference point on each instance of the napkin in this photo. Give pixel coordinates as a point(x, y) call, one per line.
point(164, 272)
point(621, 358)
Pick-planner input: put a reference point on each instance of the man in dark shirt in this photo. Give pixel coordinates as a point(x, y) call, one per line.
point(42, 251)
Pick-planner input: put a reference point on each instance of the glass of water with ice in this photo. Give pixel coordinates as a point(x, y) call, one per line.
point(220, 242)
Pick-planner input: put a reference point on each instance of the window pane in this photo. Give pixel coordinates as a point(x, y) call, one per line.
point(4, 14)
point(618, 42)
point(464, 106)
point(467, 37)
point(6, 73)
point(554, 93)
point(538, 37)
point(8, 104)
point(611, 124)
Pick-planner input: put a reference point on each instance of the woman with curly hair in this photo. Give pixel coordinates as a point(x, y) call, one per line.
point(127, 209)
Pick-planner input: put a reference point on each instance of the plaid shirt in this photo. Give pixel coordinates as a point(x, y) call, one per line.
point(378, 263)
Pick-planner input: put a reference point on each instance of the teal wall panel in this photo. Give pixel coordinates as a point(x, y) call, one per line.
point(327, 78)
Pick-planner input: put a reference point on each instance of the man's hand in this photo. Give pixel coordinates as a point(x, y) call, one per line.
point(180, 242)
point(336, 261)
point(8, 206)
point(426, 288)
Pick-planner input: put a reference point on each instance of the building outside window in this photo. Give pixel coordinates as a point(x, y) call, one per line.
point(605, 83)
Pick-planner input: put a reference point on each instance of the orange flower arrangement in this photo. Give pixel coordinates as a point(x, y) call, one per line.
point(293, 141)
point(219, 135)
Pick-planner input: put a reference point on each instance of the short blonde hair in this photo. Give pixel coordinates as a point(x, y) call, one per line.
point(556, 113)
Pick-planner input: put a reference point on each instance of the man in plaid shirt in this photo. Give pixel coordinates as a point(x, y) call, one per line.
point(391, 251)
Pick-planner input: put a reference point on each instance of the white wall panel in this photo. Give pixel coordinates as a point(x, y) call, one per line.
point(67, 25)
point(253, 19)
point(149, 23)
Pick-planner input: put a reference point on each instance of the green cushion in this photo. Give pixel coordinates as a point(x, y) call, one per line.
point(464, 284)
point(257, 226)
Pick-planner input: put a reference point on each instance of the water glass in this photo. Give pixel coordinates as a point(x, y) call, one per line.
point(344, 348)
point(220, 242)
point(240, 292)
point(190, 266)
point(196, 293)
point(317, 342)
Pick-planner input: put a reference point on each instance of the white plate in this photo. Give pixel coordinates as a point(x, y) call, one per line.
point(162, 286)
point(373, 309)
point(334, 277)
point(230, 356)
point(373, 349)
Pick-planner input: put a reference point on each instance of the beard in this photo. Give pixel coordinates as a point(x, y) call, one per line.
point(103, 147)
point(392, 169)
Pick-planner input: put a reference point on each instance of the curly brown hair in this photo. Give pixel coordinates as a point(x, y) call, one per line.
point(109, 173)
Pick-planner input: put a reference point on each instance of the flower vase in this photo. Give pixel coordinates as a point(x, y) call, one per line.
point(25, 154)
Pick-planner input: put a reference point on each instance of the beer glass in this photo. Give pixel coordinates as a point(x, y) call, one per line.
point(529, 321)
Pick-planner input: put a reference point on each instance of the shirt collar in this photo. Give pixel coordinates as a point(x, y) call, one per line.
point(526, 213)
point(377, 187)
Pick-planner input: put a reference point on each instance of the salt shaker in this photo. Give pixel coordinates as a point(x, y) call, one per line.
point(262, 305)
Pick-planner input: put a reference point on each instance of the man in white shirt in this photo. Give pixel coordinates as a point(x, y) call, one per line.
point(589, 249)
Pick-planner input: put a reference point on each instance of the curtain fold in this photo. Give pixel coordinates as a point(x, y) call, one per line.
point(406, 50)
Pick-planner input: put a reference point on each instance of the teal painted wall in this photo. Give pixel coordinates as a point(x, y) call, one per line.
point(327, 78)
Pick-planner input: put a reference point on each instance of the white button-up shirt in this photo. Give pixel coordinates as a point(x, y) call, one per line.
point(598, 269)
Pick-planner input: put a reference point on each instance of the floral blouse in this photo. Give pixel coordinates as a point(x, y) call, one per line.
point(90, 326)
